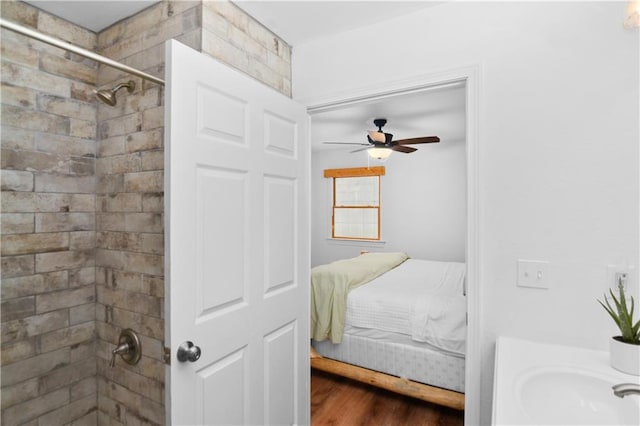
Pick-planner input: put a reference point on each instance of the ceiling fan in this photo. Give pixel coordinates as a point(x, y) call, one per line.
point(381, 144)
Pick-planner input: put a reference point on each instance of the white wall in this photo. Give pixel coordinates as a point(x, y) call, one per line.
point(423, 199)
point(558, 145)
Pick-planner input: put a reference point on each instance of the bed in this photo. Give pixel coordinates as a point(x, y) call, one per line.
point(394, 322)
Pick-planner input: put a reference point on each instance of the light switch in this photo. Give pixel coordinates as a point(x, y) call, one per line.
point(533, 273)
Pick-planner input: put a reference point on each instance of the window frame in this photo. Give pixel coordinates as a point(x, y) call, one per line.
point(353, 173)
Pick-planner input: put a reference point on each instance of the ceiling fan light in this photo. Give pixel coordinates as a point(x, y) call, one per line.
point(380, 154)
point(377, 136)
point(633, 14)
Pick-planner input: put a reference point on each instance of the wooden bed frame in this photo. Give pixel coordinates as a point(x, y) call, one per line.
point(432, 394)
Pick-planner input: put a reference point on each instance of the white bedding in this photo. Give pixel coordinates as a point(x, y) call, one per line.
point(420, 298)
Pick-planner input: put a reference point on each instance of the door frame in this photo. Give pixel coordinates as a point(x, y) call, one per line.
point(471, 75)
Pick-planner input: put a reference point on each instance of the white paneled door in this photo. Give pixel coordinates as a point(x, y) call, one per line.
point(237, 247)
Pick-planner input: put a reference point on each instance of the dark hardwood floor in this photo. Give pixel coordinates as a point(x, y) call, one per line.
point(339, 401)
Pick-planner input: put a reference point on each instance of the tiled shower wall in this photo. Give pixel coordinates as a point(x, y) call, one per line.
point(129, 253)
point(112, 219)
point(48, 224)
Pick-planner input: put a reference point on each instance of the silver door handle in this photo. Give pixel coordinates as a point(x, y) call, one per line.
point(188, 352)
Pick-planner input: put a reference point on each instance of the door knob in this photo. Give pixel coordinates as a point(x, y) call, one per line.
point(188, 352)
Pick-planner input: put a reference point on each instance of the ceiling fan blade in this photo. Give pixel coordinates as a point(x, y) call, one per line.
point(405, 149)
point(345, 143)
point(359, 149)
point(426, 139)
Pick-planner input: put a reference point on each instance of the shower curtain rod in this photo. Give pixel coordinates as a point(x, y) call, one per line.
point(78, 50)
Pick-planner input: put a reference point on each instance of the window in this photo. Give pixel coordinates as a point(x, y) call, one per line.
point(356, 203)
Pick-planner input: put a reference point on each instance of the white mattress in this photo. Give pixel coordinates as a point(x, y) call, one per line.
point(409, 322)
point(398, 355)
point(420, 298)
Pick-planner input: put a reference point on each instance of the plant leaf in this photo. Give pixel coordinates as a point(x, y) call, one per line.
point(635, 331)
point(626, 324)
point(622, 315)
point(610, 312)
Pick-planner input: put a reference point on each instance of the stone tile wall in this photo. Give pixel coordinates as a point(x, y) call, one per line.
point(129, 219)
point(82, 206)
point(48, 225)
point(233, 37)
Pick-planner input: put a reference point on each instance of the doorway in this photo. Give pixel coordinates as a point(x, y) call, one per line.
point(464, 79)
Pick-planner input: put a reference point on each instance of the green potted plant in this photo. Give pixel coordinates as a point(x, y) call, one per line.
point(624, 349)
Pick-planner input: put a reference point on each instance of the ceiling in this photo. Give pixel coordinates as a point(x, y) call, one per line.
point(299, 21)
point(294, 21)
point(437, 112)
point(94, 15)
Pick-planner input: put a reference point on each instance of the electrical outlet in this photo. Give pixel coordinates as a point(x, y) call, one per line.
point(533, 273)
point(616, 274)
point(620, 279)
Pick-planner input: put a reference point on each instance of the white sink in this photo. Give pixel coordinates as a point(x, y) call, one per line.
point(573, 397)
point(545, 384)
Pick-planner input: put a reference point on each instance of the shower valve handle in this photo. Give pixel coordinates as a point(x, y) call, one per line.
point(120, 350)
point(129, 348)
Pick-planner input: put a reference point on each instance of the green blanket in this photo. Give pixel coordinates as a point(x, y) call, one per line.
point(331, 283)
